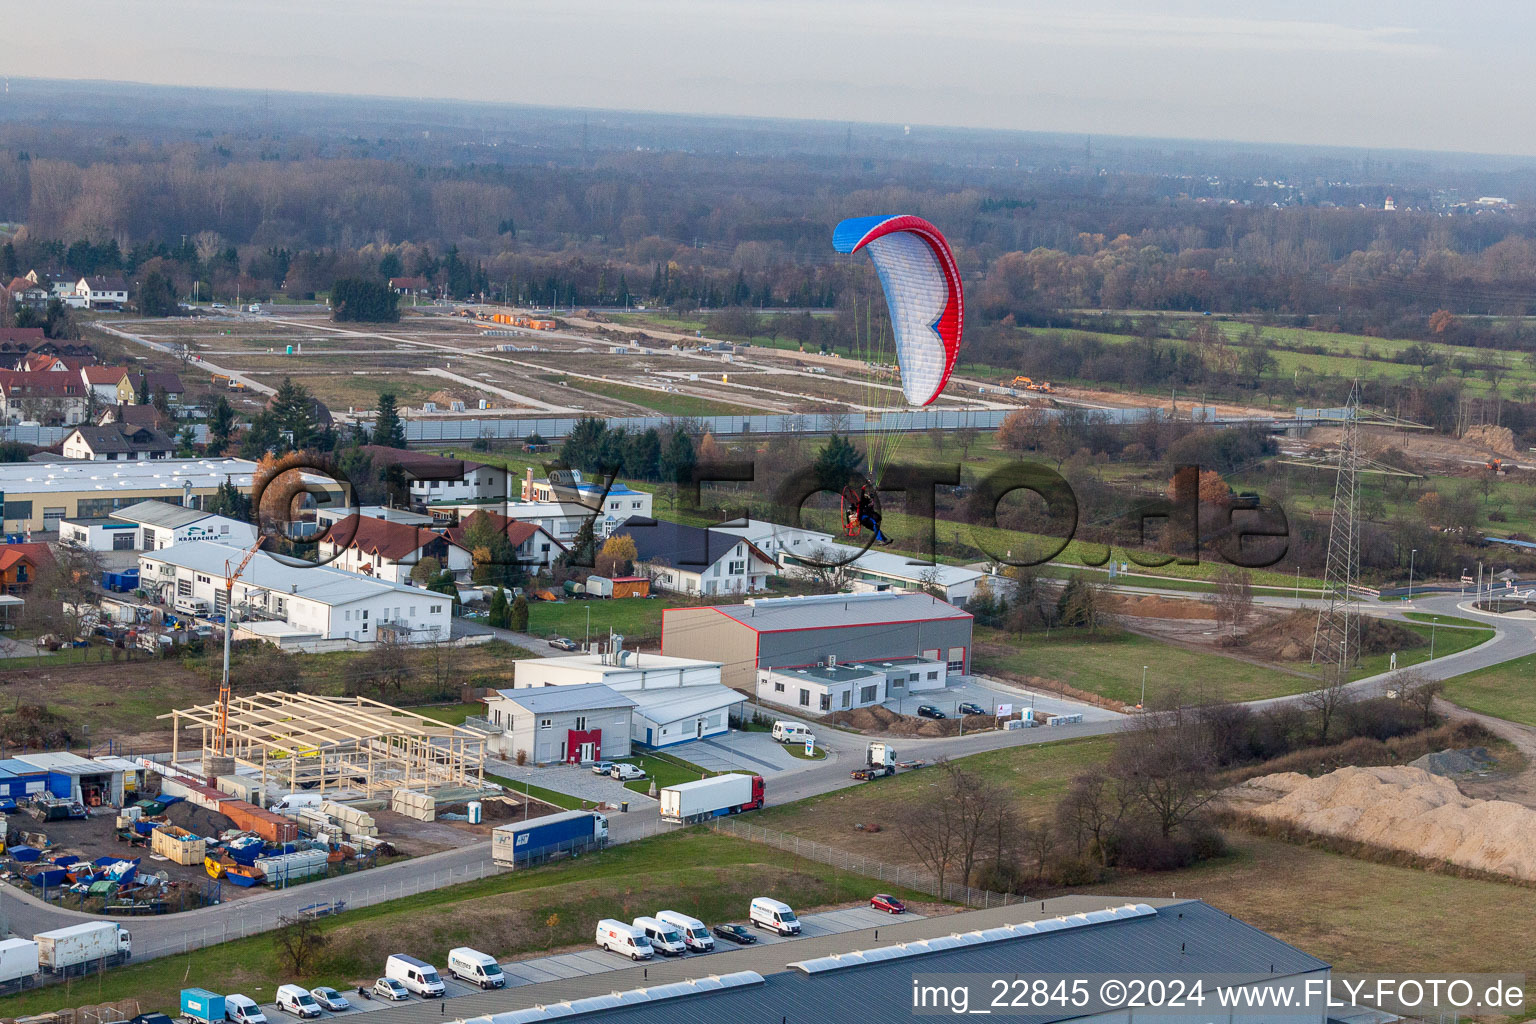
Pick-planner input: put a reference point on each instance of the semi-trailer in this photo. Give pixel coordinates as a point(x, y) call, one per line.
point(522, 843)
point(712, 797)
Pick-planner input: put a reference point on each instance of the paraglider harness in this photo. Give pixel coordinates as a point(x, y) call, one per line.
point(860, 513)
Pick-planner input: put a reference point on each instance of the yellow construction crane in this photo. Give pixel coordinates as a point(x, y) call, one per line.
point(230, 575)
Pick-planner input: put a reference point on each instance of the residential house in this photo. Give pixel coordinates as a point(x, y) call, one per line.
point(20, 565)
point(776, 541)
point(16, 342)
point(406, 285)
point(694, 560)
point(388, 550)
point(39, 361)
point(614, 504)
point(26, 293)
point(134, 416)
point(156, 381)
point(438, 478)
point(52, 399)
point(110, 385)
point(102, 292)
point(534, 548)
point(118, 443)
point(62, 286)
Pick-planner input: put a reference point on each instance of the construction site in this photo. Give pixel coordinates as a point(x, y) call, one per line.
point(343, 747)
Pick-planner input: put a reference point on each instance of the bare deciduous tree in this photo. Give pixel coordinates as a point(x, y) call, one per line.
point(1163, 766)
point(1093, 809)
point(299, 942)
point(1326, 701)
point(1234, 598)
point(824, 569)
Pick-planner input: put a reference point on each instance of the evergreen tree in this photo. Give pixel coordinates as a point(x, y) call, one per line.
point(157, 295)
point(388, 430)
point(221, 424)
point(186, 443)
point(292, 415)
point(228, 501)
point(358, 300)
point(517, 618)
point(141, 393)
point(642, 460)
point(501, 612)
point(390, 266)
point(837, 463)
point(583, 447)
point(678, 460)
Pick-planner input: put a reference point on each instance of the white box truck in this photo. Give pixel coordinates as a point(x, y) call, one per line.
point(18, 960)
point(695, 936)
point(710, 798)
point(82, 945)
point(475, 967)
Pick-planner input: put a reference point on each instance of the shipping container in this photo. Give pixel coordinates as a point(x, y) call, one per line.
point(18, 960)
point(709, 798)
point(537, 839)
point(82, 945)
point(198, 1004)
point(178, 845)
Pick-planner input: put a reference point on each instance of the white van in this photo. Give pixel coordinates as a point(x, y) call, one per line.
point(416, 975)
point(695, 936)
point(665, 939)
point(475, 967)
point(792, 732)
point(775, 916)
point(623, 939)
point(297, 1001)
point(291, 803)
point(188, 605)
point(243, 1010)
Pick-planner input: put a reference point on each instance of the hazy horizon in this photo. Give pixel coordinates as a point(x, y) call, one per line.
point(1426, 78)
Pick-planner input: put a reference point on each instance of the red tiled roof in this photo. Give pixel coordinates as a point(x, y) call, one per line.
point(515, 530)
point(42, 383)
point(36, 553)
point(381, 538)
point(103, 374)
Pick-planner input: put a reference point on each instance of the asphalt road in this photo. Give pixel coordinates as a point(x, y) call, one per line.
point(159, 936)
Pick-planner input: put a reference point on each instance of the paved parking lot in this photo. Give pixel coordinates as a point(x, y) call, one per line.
point(571, 779)
point(755, 752)
point(597, 961)
point(990, 693)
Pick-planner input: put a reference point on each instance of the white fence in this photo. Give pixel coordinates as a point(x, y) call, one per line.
point(239, 918)
point(909, 878)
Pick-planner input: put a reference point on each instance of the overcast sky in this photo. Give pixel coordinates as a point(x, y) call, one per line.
point(1421, 74)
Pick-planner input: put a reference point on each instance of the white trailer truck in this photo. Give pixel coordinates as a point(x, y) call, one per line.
point(81, 947)
point(709, 798)
point(18, 962)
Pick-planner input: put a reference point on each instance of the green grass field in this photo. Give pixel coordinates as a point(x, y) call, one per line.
point(665, 771)
point(452, 714)
point(1505, 691)
point(549, 796)
point(1437, 642)
point(632, 617)
point(1110, 662)
point(697, 872)
point(1036, 776)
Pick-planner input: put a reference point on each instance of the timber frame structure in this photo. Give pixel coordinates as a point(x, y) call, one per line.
point(304, 741)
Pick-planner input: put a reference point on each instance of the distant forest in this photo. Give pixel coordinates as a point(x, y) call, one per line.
point(587, 221)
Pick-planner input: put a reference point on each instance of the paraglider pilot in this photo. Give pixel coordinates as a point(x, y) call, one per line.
point(865, 514)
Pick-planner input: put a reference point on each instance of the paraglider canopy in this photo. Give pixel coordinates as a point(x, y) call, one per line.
point(922, 289)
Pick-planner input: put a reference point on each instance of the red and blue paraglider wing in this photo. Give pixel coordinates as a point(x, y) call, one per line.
point(922, 290)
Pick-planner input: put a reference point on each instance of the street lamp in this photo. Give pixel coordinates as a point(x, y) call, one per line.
point(1143, 702)
point(1411, 555)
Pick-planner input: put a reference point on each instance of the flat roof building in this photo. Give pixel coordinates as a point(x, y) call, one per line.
point(315, 601)
point(39, 494)
point(799, 632)
point(676, 699)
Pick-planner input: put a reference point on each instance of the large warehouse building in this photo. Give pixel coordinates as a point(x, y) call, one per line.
point(850, 975)
point(284, 603)
point(37, 495)
point(798, 632)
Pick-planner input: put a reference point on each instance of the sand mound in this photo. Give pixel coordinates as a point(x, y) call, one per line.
point(1150, 606)
point(1289, 638)
point(1495, 439)
point(883, 721)
point(1399, 808)
point(1450, 763)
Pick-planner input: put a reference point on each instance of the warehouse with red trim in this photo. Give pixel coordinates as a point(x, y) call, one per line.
point(797, 632)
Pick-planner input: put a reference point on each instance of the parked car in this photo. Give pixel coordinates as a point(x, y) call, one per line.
point(734, 933)
point(564, 643)
point(967, 707)
point(330, 999)
point(602, 767)
point(929, 711)
point(627, 772)
point(389, 988)
point(296, 1000)
point(888, 904)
